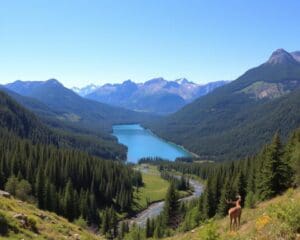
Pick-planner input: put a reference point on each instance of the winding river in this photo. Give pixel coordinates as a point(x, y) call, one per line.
point(141, 143)
point(156, 208)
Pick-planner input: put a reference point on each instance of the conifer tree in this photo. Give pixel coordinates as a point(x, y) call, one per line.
point(68, 200)
point(275, 174)
point(40, 188)
point(171, 205)
point(225, 195)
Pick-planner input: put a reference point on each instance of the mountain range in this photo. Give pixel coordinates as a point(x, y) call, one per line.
point(234, 120)
point(157, 95)
point(65, 111)
point(229, 120)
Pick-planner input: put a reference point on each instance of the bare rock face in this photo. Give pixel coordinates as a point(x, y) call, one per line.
point(280, 56)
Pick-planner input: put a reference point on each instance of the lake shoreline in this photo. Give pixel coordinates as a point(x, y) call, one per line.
point(172, 143)
point(147, 143)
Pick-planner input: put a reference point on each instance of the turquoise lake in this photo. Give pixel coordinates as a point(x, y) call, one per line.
point(142, 142)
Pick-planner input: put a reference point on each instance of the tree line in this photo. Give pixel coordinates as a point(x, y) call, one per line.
point(69, 182)
point(272, 171)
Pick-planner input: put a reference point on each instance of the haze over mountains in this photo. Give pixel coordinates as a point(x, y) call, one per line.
point(234, 120)
point(157, 95)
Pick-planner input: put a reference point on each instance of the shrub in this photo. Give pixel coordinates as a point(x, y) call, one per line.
point(3, 225)
point(250, 200)
point(20, 189)
point(81, 222)
point(11, 185)
point(209, 232)
point(23, 190)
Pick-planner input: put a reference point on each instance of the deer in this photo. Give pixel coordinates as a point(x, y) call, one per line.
point(235, 213)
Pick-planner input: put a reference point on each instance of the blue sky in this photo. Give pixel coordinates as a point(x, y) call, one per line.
point(82, 42)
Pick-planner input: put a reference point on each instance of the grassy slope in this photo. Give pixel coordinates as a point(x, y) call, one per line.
point(155, 187)
point(52, 227)
point(255, 223)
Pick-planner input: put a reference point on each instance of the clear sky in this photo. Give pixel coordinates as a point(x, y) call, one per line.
point(81, 42)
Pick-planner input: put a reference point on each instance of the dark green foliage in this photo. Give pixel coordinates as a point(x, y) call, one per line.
point(19, 188)
point(149, 230)
point(231, 123)
point(250, 200)
point(265, 175)
point(3, 225)
point(109, 223)
point(292, 155)
point(23, 190)
point(71, 114)
point(24, 124)
point(225, 195)
point(170, 211)
point(11, 185)
point(69, 182)
point(124, 229)
point(181, 183)
point(274, 175)
point(69, 201)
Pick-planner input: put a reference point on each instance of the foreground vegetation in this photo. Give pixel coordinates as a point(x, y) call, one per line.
point(255, 179)
point(69, 182)
point(278, 218)
point(39, 224)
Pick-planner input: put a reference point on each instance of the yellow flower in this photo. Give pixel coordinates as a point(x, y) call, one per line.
point(262, 221)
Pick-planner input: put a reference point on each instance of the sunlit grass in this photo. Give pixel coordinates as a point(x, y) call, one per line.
point(154, 189)
point(50, 227)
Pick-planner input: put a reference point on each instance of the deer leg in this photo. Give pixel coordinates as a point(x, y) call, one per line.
point(234, 224)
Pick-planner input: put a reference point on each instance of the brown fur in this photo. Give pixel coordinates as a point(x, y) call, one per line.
point(235, 214)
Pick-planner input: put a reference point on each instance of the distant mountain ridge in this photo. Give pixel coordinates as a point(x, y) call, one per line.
point(234, 120)
point(65, 110)
point(156, 95)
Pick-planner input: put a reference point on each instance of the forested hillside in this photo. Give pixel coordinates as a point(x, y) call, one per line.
point(68, 182)
point(62, 109)
point(73, 109)
point(262, 177)
point(25, 124)
point(236, 119)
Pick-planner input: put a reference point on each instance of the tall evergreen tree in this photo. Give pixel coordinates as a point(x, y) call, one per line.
point(171, 205)
point(69, 207)
point(40, 188)
point(274, 175)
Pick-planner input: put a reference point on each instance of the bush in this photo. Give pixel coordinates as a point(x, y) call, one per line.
point(209, 232)
point(3, 225)
point(11, 185)
point(23, 190)
point(250, 200)
point(20, 189)
point(81, 222)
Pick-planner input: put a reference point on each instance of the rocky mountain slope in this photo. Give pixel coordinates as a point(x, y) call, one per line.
point(235, 119)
